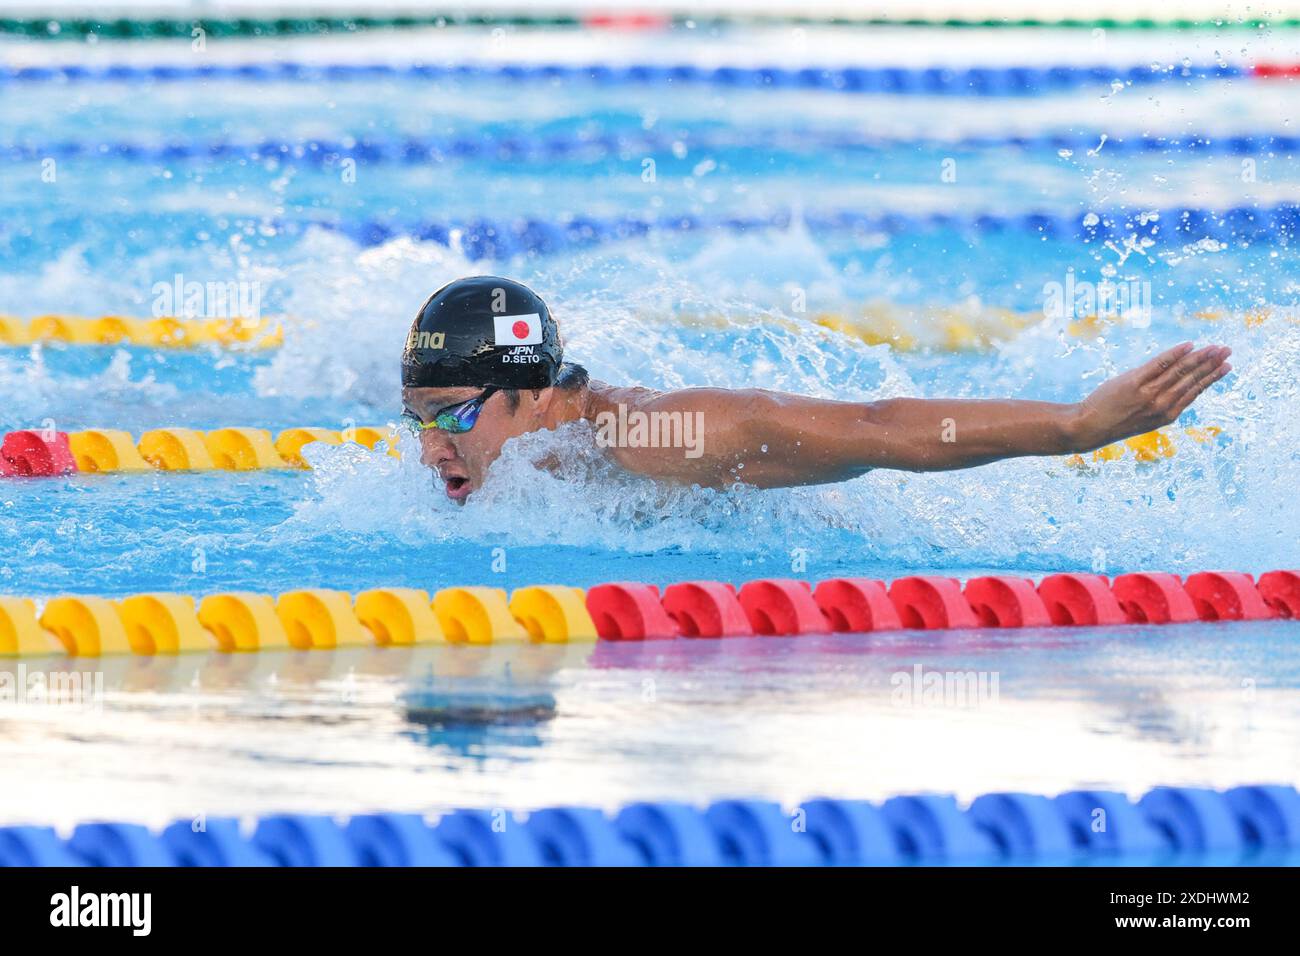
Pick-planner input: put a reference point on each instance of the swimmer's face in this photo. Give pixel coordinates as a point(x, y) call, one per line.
point(462, 460)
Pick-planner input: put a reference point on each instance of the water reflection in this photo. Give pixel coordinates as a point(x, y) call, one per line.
point(865, 716)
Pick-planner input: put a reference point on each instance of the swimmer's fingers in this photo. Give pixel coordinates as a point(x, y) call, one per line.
point(1188, 366)
point(1188, 372)
point(1193, 389)
point(1162, 363)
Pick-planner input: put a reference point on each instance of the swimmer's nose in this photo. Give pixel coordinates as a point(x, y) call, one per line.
point(436, 448)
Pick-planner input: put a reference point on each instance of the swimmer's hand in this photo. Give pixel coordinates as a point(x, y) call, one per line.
point(1148, 397)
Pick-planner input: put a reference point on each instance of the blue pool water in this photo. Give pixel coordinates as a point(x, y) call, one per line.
point(1121, 708)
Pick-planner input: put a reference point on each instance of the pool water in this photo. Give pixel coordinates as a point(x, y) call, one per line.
point(1119, 708)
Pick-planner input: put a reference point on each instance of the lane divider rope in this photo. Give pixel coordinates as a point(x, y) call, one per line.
point(550, 147)
point(32, 454)
point(478, 238)
point(79, 28)
point(165, 332)
point(1167, 825)
point(28, 453)
point(932, 81)
point(140, 28)
point(323, 619)
point(903, 327)
point(503, 239)
point(1148, 447)
point(965, 328)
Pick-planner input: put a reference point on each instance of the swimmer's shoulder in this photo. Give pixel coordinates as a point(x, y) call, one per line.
point(603, 397)
point(725, 403)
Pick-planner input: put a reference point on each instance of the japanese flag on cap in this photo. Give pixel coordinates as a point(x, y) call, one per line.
point(518, 329)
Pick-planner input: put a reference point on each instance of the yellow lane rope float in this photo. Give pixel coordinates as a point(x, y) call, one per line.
point(960, 328)
point(305, 620)
point(29, 453)
point(167, 332)
point(1151, 447)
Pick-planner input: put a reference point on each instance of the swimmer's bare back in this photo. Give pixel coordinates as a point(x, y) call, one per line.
point(770, 439)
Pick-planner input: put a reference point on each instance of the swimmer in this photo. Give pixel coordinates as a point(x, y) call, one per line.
point(483, 363)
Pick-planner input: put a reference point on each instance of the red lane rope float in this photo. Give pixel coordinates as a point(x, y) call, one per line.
point(26, 453)
point(1226, 595)
point(1006, 602)
point(1080, 599)
point(629, 612)
point(781, 606)
point(1281, 592)
point(706, 609)
point(616, 20)
point(1154, 598)
point(713, 609)
point(1276, 70)
point(857, 604)
point(931, 603)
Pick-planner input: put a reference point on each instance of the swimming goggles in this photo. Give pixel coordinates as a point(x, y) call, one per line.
point(457, 419)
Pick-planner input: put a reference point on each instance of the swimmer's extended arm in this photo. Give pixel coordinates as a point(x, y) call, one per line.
point(770, 439)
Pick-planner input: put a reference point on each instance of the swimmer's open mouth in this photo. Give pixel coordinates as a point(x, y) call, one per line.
point(457, 487)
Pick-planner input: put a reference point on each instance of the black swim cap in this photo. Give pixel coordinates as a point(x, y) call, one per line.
point(483, 330)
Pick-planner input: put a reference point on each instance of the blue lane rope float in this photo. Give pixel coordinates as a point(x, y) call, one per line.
point(1168, 826)
point(932, 81)
point(501, 239)
point(479, 238)
point(550, 147)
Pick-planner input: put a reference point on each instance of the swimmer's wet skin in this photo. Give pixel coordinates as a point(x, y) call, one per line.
point(484, 363)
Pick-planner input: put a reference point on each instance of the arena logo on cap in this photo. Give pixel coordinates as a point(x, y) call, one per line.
point(518, 329)
point(425, 340)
